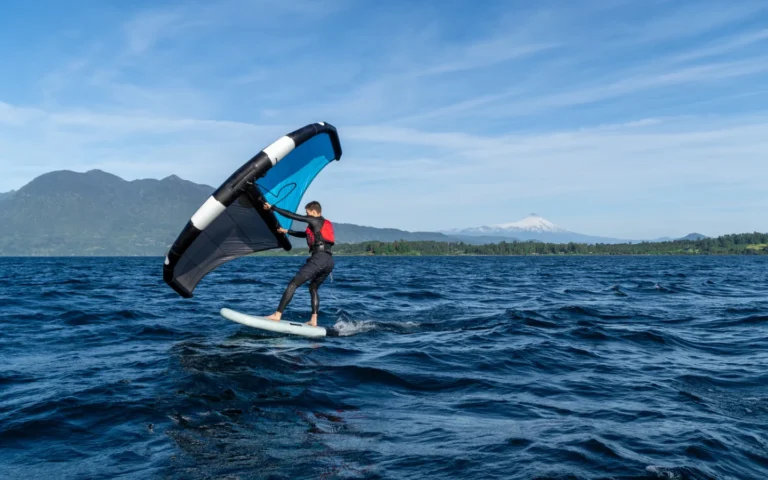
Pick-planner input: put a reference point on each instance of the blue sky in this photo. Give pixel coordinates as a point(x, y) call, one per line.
point(618, 118)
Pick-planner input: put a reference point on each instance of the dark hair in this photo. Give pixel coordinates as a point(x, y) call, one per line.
point(314, 206)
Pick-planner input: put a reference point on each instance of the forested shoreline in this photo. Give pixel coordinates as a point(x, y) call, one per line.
point(735, 244)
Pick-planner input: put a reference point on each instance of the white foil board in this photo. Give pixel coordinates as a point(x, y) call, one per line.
point(283, 326)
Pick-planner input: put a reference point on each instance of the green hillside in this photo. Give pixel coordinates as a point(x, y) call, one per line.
point(66, 213)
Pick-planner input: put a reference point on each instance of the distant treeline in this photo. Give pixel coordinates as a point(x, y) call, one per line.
point(738, 244)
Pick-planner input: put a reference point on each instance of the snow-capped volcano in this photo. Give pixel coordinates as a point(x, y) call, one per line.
point(531, 223)
point(532, 227)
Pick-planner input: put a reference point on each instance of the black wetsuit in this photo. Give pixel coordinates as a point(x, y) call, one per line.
point(319, 265)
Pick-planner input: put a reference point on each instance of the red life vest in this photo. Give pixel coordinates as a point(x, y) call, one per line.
point(326, 235)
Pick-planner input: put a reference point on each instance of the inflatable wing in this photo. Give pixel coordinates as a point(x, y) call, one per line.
point(232, 222)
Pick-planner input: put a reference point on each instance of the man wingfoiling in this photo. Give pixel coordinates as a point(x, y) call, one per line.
point(320, 240)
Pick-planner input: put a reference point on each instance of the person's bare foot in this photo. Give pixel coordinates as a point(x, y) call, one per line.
point(313, 321)
point(275, 317)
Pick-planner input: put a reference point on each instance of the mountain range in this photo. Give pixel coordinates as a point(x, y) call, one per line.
point(536, 228)
point(533, 227)
point(97, 213)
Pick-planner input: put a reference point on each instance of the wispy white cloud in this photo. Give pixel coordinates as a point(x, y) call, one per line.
point(146, 29)
point(679, 21)
point(484, 54)
point(517, 102)
point(723, 47)
point(12, 116)
point(685, 76)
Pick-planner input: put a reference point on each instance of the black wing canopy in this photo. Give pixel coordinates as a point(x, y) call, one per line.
point(231, 223)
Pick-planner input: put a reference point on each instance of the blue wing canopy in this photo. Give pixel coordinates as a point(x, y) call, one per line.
point(232, 224)
point(284, 184)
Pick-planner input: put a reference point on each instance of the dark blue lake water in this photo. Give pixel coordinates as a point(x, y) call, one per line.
point(625, 368)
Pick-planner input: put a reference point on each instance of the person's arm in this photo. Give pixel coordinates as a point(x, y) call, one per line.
point(296, 233)
point(314, 222)
point(291, 215)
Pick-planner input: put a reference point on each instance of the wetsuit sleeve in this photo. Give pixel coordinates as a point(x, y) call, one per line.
point(316, 223)
point(296, 233)
point(291, 215)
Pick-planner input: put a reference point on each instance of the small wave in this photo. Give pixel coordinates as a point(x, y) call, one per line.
point(78, 317)
point(509, 445)
point(663, 472)
point(676, 275)
point(753, 319)
point(154, 331)
point(652, 287)
point(246, 281)
point(661, 288)
point(54, 294)
point(577, 291)
point(102, 296)
point(8, 302)
point(35, 429)
point(127, 314)
point(353, 287)
point(580, 352)
point(72, 281)
point(419, 295)
point(589, 333)
point(600, 448)
point(677, 473)
point(590, 312)
point(742, 310)
point(647, 336)
point(531, 319)
point(532, 322)
point(347, 328)
point(431, 383)
point(616, 289)
point(10, 378)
